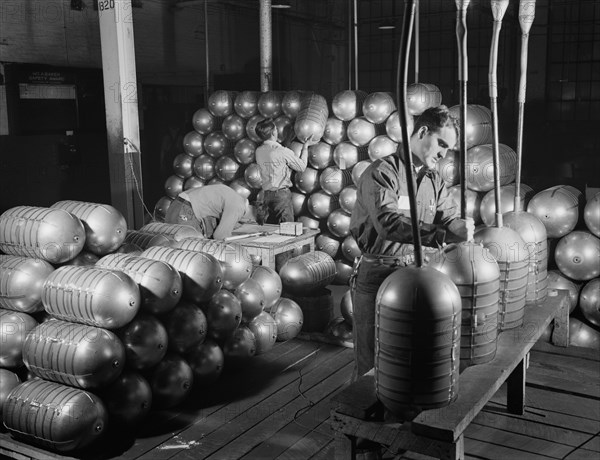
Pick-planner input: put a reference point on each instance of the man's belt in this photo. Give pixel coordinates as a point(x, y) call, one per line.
point(182, 200)
point(382, 260)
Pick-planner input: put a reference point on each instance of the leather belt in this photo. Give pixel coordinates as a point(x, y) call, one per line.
point(382, 260)
point(182, 200)
point(277, 190)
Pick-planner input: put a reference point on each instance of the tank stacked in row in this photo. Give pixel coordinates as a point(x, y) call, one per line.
point(105, 339)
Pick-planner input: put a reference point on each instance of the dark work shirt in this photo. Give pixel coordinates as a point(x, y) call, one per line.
point(380, 221)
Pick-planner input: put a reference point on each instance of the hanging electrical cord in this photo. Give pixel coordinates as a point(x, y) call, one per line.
point(130, 148)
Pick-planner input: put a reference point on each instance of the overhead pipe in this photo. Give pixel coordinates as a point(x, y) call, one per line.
point(355, 19)
point(266, 46)
point(207, 89)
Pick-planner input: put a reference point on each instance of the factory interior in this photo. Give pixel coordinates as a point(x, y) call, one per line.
point(127, 335)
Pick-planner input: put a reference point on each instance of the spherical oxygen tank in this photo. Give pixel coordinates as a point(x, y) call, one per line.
point(252, 298)
point(220, 103)
point(244, 151)
point(448, 167)
point(591, 214)
point(307, 272)
point(348, 104)
point(21, 281)
point(245, 104)
point(312, 118)
point(235, 259)
point(348, 198)
point(239, 346)
point(264, 328)
point(478, 127)
point(333, 179)
point(338, 223)
point(473, 199)
point(14, 327)
point(577, 255)
point(417, 340)
point(582, 335)
point(206, 361)
point(381, 146)
point(477, 276)
point(346, 155)
point(350, 248)
point(74, 354)
point(53, 235)
point(533, 232)
point(54, 416)
point(487, 207)
point(183, 166)
point(321, 204)
point(105, 226)
point(224, 314)
point(589, 301)
point(361, 131)
point(289, 318)
point(558, 209)
point(358, 169)
point(146, 340)
point(344, 272)
point(290, 103)
point(393, 128)
point(160, 284)
point(161, 207)
point(251, 127)
point(193, 144)
point(128, 399)
point(328, 243)
point(171, 381)
point(217, 145)
point(320, 155)
point(512, 255)
point(335, 131)
point(556, 280)
point(480, 167)
point(173, 186)
point(201, 273)
point(378, 106)
point(307, 181)
point(234, 127)
point(270, 282)
point(241, 187)
point(90, 295)
point(226, 168)
point(186, 326)
point(203, 121)
point(422, 96)
point(204, 167)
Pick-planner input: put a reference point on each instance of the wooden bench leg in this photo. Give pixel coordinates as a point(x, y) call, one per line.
point(560, 334)
point(459, 449)
point(344, 447)
point(515, 390)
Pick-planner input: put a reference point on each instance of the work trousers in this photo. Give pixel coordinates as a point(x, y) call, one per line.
point(276, 207)
point(181, 212)
point(368, 278)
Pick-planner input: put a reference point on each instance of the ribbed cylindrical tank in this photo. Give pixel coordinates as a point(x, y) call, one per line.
point(105, 226)
point(477, 276)
point(201, 273)
point(533, 232)
point(306, 272)
point(235, 260)
point(74, 354)
point(21, 281)
point(54, 416)
point(160, 284)
point(480, 167)
point(417, 340)
point(512, 255)
point(53, 235)
point(90, 295)
point(157, 233)
point(312, 118)
point(14, 327)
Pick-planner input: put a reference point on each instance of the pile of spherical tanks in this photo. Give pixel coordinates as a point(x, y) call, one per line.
point(115, 323)
point(355, 129)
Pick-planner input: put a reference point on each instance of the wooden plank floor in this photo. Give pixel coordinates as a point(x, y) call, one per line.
point(277, 406)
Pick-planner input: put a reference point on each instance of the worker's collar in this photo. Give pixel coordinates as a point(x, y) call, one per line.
point(270, 142)
point(419, 170)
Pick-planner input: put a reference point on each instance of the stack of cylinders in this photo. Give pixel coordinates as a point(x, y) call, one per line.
point(307, 271)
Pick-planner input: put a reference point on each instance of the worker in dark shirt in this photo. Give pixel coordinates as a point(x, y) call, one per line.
point(381, 223)
point(215, 210)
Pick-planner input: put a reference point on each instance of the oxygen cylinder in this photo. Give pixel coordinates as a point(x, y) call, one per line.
point(307, 272)
point(417, 340)
point(333, 179)
point(201, 273)
point(54, 416)
point(203, 121)
point(422, 96)
point(90, 295)
point(53, 235)
point(480, 167)
point(290, 103)
point(477, 276)
point(269, 104)
point(183, 166)
point(558, 208)
point(21, 281)
point(512, 255)
point(312, 118)
point(161, 207)
point(105, 226)
point(144, 236)
point(220, 103)
point(159, 283)
point(478, 127)
point(245, 104)
point(348, 104)
point(14, 327)
point(235, 260)
point(335, 131)
point(378, 106)
point(74, 354)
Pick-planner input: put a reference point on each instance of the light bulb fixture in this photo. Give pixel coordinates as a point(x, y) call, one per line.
point(386, 25)
point(281, 4)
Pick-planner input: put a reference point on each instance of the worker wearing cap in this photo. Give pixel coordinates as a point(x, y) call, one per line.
point(214, 210)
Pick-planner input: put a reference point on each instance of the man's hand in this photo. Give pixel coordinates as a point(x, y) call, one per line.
point(461, 230)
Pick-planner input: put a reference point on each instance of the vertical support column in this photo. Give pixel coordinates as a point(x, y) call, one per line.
point(515, 389)
point(120, 97)
point(266, 46)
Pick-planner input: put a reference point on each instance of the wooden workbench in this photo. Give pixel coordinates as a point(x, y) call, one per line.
point(356, 412)
point(274, 249)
